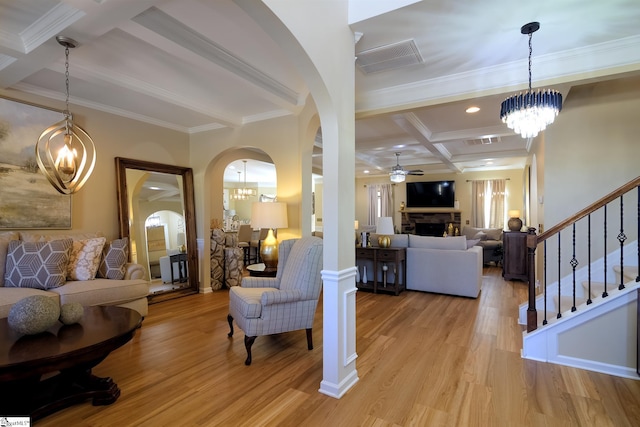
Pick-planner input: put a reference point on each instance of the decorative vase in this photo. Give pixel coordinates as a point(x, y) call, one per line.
point(384, 241)
point(514, 224)
point(364, 274)
point(450, 229)
point(357, 274)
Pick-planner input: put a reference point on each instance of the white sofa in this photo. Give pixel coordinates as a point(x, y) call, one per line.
point(440, 264)
point(131, 291)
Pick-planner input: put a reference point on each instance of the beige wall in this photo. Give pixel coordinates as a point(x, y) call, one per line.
point(591, 150)
point(94, 207)
point(514, 200)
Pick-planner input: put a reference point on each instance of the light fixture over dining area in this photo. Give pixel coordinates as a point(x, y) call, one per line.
point(245, 192)
point(65, 152)
point(529, 113)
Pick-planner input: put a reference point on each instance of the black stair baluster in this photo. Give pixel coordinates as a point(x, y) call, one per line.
point(589, 301)
point(559, 279)
point(621, 238)
point(604, 293)
point(574, 264)
point(638, 241)
point(544, 278)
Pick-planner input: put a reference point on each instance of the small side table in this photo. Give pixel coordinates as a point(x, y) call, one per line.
point(260, 270)
point(181, 260)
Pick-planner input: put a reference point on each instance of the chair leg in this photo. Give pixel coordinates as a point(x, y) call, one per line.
point(248, 342)
point(309, 339)
point(230, 320)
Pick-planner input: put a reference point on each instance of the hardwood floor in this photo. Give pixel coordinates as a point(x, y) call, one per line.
point(424, 360)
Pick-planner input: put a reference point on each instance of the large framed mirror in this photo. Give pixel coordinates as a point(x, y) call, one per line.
point(156, 211)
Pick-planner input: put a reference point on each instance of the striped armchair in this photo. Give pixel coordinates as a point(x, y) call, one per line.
point(287, 302)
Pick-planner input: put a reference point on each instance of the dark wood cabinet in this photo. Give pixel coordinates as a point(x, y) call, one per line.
point(514, 262)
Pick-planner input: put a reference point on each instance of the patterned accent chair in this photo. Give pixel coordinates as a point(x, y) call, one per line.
point(287, 302)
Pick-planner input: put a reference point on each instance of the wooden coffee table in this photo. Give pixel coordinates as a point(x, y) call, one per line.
point(28, 361)
point(260, 270)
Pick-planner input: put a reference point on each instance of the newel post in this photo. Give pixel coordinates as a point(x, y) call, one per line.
point(532, 314)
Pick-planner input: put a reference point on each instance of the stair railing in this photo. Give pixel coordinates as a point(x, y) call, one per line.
point(534, 240)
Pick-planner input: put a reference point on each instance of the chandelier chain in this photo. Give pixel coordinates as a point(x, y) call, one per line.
point(530, 53)
point(66, 75)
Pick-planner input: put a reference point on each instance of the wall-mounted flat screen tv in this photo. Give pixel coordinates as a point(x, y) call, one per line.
point(431, 194)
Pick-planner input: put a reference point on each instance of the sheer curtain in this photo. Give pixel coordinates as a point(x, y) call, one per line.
point(386, 200)
point(496, 207)
point(477, 205)
point(380, 202)
point(487, 208)
point(373, 204)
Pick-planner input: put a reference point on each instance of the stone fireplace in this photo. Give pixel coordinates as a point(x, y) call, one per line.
point(429, 222)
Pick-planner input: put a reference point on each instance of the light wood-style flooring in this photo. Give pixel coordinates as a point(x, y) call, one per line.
point(424, 360)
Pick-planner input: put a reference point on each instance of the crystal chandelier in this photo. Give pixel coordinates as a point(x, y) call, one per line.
point(243, 193)
point(530, 112)
point(65, 152)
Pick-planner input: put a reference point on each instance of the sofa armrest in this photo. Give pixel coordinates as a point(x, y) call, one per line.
point(134, 271)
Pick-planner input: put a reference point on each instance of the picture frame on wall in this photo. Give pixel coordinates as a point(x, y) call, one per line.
point(27, 199)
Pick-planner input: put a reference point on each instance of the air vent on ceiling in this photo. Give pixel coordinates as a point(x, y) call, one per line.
point(483, 141)
point(389, 57)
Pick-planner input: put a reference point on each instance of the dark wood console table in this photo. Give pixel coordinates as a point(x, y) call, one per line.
point(380, 257)
point(70, 350)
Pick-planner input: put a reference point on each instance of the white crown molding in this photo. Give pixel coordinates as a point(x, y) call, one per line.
point(36, 90)
point(6, 60)
point(622, 54)
point(159, 22)
point(49, 25)
point(93, 74)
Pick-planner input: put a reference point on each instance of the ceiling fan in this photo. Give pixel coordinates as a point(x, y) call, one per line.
point(398, 174)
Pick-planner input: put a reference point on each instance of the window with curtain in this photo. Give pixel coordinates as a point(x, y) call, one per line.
point(380, 202)
point(487, 209)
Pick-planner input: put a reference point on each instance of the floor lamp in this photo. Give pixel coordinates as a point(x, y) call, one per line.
point(271, 215)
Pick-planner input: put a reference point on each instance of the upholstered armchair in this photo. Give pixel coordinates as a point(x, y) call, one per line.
point(287, 302)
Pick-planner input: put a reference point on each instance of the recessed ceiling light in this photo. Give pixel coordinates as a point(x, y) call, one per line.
point(365, 171)
point(473, 109)
point(155, 188)
point(489, 163)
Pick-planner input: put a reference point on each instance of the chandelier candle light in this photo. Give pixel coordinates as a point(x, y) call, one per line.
point(65, 152)
point(243, 193)
point(530, 112)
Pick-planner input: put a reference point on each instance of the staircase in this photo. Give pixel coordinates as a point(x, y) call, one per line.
point(587, 316)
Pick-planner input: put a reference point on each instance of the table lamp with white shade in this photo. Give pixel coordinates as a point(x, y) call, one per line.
point(271, 215)
point(385, 230)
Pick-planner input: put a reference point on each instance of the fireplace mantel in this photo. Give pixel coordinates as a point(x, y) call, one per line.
point(438, 218)
point(429, 210)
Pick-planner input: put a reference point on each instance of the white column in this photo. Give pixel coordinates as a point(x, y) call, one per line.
point(323, 50)
point(339, 332)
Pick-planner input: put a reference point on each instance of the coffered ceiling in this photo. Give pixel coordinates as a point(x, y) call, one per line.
point(195, 65)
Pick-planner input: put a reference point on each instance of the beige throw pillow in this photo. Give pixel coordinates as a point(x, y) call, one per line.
point(85, 258)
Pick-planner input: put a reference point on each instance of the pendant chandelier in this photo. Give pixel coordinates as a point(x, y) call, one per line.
point(530, 112)
point(65, 152)
point(243, 193)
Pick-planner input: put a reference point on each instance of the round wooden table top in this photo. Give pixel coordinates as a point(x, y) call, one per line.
point(101, 330)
